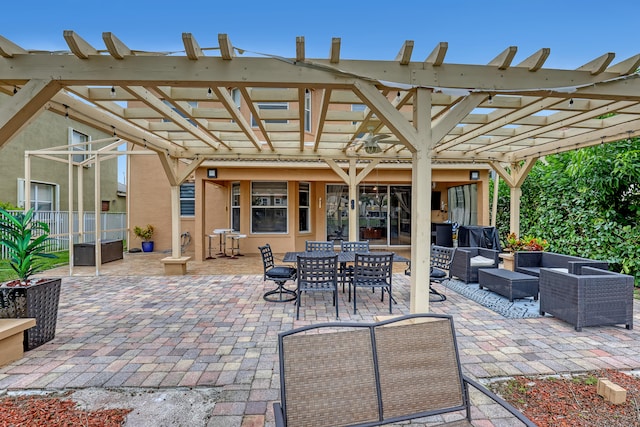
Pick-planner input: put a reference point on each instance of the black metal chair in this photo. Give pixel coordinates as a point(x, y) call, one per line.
point(346, 271)
point(440, 261)
point(373, 270)
point(280, 274)
point(318, 246)
point(317, 274)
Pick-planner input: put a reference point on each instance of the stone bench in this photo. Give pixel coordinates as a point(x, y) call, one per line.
point(507, 283)
point(12, 338)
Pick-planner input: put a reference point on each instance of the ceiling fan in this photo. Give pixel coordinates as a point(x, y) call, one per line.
point(370, 141)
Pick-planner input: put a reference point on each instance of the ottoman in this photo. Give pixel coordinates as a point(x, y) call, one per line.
point(510, 284)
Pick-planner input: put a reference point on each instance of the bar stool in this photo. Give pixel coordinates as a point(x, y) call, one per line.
point(222, 234)
point(210, 236)
point(235, 244)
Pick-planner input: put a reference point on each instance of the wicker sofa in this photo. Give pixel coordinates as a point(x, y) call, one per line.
point(531, 262)
point(592, 297)
point(467, 261)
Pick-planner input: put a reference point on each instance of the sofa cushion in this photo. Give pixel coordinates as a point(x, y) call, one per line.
point(480, 261)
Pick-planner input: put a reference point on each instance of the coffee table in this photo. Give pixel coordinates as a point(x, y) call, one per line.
point(510, 284)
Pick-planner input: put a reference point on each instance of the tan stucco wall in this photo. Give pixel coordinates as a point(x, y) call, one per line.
point(149, 195)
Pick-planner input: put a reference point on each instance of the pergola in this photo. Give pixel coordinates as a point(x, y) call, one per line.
point(183, 106)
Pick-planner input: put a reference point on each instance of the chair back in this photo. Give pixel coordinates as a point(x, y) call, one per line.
point(375, 267)
point(359, 373)
point(318, 273)
point(267, 258)
point(317, 246)
point(362, 246)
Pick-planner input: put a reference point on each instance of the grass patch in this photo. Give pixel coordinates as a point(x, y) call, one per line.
point(7, 273)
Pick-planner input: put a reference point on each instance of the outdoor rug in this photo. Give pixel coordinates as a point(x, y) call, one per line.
point(518, 309)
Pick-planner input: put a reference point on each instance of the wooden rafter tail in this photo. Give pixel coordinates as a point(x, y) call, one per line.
point(334, 54)
point(300, 50)
point(503, 61)
point(115, 47)
point(535, 61)
point(8, 49)
point(191, 46)
point(79, 47)
point(436, 57)
point(626, 67)
point(598, 65)
point(226, 48)
point(404, 56)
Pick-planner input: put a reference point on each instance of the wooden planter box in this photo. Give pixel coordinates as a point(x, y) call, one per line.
point(38, 301)
point(85, 253)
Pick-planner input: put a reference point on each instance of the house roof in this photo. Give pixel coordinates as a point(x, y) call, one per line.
point(185, 103)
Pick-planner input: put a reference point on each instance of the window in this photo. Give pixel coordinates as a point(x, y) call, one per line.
point(192, 104)
point(76, 137)
point(44, 196)
point(266, 215)
point(357, 107)
point(307, 110)
point(304, 207)
point(235, 95)
point(235, 206)
point(463, 204)
point(266, 106)
point(188, 199)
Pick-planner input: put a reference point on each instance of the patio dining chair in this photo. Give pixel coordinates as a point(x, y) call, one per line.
point(372, 270)
point(317, 274)
point(280, 274)
point(346, 271)
point(316, 246)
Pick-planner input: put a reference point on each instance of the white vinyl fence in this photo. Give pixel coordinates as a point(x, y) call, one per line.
point(113, 226)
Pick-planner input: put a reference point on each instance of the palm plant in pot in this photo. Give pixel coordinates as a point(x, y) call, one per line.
point(145, 234)
point(25, 240)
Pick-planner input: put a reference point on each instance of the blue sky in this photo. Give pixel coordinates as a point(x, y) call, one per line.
point(477, 31)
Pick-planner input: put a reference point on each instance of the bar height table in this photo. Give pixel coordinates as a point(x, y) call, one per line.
point(222, 234)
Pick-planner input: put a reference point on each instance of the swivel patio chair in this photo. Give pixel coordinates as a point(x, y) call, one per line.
point(373, 270)
point(280, 274)
point(440, 262)
point(317, 274)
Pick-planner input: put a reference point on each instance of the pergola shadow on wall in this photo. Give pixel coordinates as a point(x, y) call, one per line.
point(208, 105)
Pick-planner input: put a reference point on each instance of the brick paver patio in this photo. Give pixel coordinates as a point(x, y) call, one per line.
point(217, 331)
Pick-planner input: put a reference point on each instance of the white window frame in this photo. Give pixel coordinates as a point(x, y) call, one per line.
point(79, 158)
point(307, 110)
point(282, 210)
point(235, 206)
point(270, 106)
point(188, 199)
point(304, 187)
point(55, 204)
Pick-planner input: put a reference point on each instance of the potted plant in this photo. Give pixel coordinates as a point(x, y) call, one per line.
point(145, 234)
point(525, 243)
point(25, 240)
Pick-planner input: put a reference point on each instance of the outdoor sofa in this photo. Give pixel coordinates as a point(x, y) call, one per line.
point(530, 262)
point(591, 297)
point(468, 260)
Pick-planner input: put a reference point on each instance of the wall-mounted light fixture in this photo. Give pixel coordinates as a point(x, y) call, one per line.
point(212, 173)
point(319, 202)
point(353, 204)
point(474, 175)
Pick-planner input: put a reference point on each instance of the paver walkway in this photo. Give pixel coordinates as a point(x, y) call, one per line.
point(195, 330)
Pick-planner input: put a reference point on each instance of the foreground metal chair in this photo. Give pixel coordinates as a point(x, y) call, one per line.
point(317, 274)
point(370, 374)
point(372, 270)
point(280, 274)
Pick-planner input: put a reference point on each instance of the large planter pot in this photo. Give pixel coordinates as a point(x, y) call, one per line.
point(147, 246)
point(38, 301)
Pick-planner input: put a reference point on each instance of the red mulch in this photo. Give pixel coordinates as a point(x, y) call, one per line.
point(40, 411)
point(573, 401)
